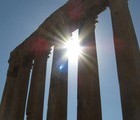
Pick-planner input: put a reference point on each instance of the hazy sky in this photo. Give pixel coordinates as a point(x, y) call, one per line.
point(18, 19)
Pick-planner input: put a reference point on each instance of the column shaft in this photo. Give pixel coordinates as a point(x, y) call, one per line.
point(128, 59)
point(57, 105)
point(37, 88)
point(89, 104)
point(20, 91)
point(8, 94)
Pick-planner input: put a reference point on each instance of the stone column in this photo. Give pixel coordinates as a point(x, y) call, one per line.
point(8, 94)
point(89, 103)
point(20, 90)
point(57, 105)
point(128, 59)
point(37, 89)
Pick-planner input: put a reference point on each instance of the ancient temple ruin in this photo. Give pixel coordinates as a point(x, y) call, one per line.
point(33, 53)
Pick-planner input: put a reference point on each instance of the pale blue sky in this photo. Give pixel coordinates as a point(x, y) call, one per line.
point(18, 19)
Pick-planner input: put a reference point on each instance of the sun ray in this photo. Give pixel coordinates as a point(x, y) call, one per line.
point(73, 46)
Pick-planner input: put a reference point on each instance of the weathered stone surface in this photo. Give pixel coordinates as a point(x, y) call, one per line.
point(128, 59)
point(89, 104)
point(37, 88)
point(55, 30)
point(20, 91)
point(8, 94)
point(57, 105)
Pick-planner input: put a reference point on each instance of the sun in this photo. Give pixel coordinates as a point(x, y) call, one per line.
point(73, 46)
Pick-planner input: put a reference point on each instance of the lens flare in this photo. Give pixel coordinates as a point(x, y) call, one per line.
point(73, 46)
